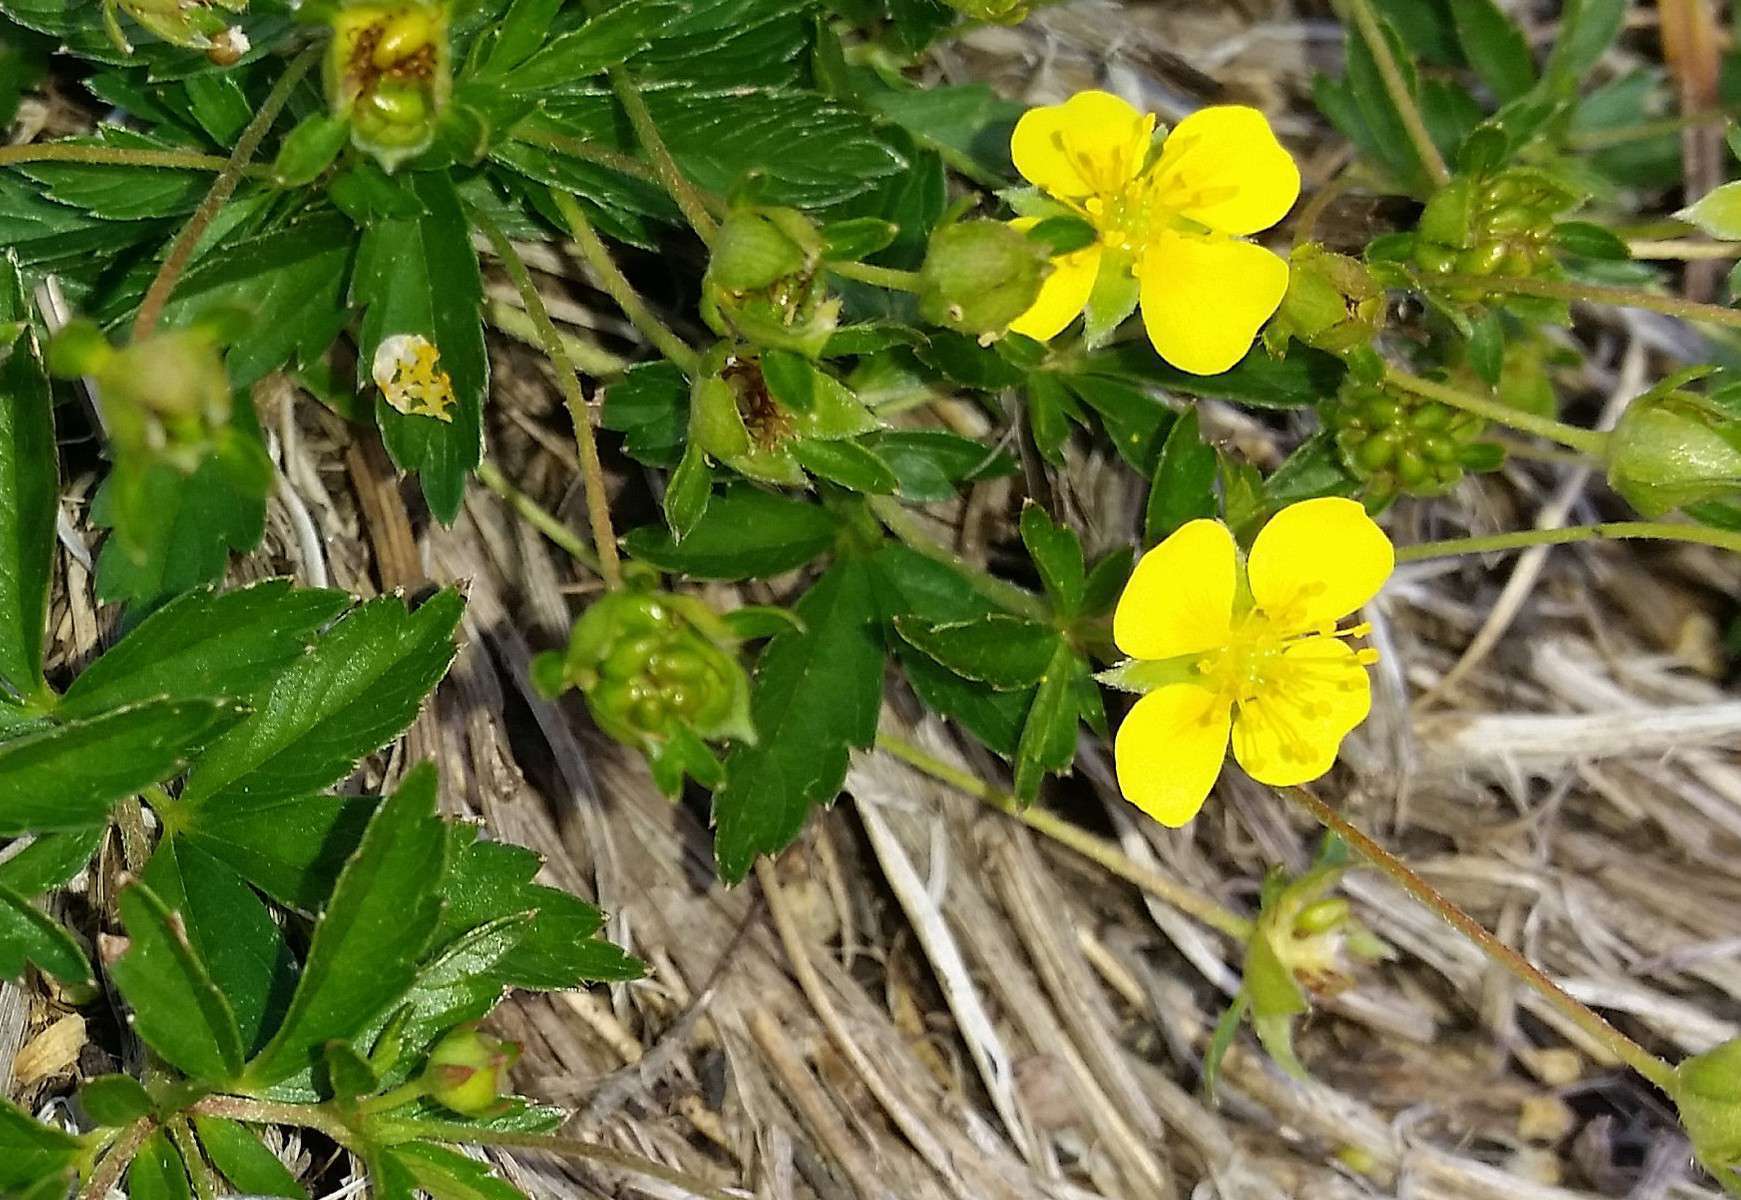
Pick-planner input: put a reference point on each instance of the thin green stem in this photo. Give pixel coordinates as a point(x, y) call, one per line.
point(1526, 972)
point(1007, 595)
point(114, 1163)
point(540, 518)
point(617, 285)
point(181, 251)
point(1659, 531)
point(274, 1112)
point(205, 1184)
point(1400, 96)
point(1594, 293)
point(1585, 441)
point(671, 176)
point(114, 156)
point(1096, 849)
point(1682, 249)
point(592, 358)
point(883, 277)
point(598, 505)
point(135, 841)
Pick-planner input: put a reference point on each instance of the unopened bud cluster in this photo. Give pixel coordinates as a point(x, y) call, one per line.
point(1498, 226)
point(1400, 444)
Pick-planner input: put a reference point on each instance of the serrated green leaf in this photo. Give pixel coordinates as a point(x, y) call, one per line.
point(490, 880)
point(116, 192)
point(971, 119)
point(1135, 422)
point(31, 1152)
point(816, 694)
point(1106, 581)
point(114, 1100)
point(1495, 47)
point(419, 276)
point(1003, 652)
point(177, 1009)
point(1587, 29)
point(649, 405)
point(850, 464)
point(929, 463)
point(729, 43)
point(965, 361)
point(1314, 469)
point(746, 533)
point(1050, 409)
point(353, 693)
point(50, 861)
point(288, 284)
point(244, 1160)
point(908, 584)
point(230, 930)
point(1048, 744)
point(206, 644)
point(1183, 488)
point(28, 935)
point(157, 1172)
point(173, 531)
point(1057, 555)
point(1304, 377)
point(566, 62)
point(457, 983)
point(449, 1175)
point(67, 777)
point(366, 945)
point(290, 847)
point(857, 238)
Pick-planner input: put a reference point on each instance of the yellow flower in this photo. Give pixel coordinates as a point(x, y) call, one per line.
point(1176, 220)
point(1267, 662)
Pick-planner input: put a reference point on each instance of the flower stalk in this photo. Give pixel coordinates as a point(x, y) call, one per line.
point(1624, 1048)
point(1584, 441)
point(1597, 293)
point(598, 508)
point(1366, 20)
point(1660, 531)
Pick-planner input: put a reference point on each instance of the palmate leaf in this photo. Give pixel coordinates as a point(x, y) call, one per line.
point(746, 533)
point(68, 777)
point(120, 193)
point(206, 644)
point(290, 847)
point(419, 276)
point(354, 692)
point(731, 43)
point(177, 1008)
point(816, 695)
point(29, 491)
point(368, 942)
point(40, 233)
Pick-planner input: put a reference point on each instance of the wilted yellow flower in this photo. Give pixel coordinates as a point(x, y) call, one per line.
point(407, 369)
point(1176, 220)
point(1252, 649)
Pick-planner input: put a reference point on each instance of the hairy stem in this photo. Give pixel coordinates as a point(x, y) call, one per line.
point(598, 505)
point(1372, 33)
point(1095, 849)
point(1526, 972)
point(1007, 595)
point(590, 357)
point(181, 251)
point(114, 1163)
point(115, 156)
point(883, 277)
point(537, 516)
point(272, 1112)
point(617, 285)
point(1585, 441)
point(1660, 531)
point(671, 176)
point(1683, 249)
point(1595, 293)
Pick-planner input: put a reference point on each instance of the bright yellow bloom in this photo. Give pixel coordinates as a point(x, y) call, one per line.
point(1267, 661)
point(1176, 220)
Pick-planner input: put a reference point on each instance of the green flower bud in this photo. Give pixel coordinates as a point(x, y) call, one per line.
point(1332, 303)
point(1494, 226)
point(1707, 1091)
point(1397, 443)
point(468, 1071)
point(388, 73)
point(1674, 447)
point(758, 246)
point(979, 276)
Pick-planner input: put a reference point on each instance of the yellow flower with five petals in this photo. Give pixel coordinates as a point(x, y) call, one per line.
point(1175, 220)
point(1252, 652)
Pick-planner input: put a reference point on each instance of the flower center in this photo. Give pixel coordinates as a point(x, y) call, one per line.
point(1134, 215)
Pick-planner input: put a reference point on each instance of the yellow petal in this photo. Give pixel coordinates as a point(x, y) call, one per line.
point(1224, 167)
point(1090, 145)
point(1291, 731)
point(1317, 561)
point(1063, 294)
point(1204, 298)
point(1170, 749)
point(1180, 597)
